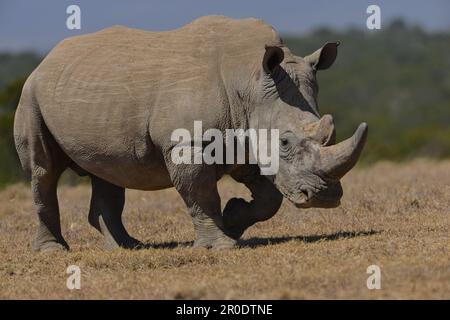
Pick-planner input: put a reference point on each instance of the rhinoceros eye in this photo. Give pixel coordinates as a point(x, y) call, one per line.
point(285, 141)
point(286, 146)
point(288, 142)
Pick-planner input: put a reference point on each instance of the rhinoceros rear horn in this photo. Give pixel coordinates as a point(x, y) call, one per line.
point(338, 159)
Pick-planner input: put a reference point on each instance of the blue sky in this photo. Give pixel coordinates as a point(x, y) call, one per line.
point(39, 25)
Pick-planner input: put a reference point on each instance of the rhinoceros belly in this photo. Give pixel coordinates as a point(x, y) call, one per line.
point(126, 162)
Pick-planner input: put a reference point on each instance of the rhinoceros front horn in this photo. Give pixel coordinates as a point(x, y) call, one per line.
point(338, 159)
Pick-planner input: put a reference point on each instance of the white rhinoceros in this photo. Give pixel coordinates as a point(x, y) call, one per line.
point(105, 105)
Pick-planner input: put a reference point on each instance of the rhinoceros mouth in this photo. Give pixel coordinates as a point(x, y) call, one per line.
point(328, 197)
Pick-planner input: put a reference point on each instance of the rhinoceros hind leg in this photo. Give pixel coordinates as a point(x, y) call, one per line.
point(105, 214)
point(49, 236)
point(44, 161)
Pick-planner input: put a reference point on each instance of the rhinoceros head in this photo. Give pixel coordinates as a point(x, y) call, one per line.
point(310, 162)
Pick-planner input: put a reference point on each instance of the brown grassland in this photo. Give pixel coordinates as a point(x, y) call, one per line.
point(396, 216)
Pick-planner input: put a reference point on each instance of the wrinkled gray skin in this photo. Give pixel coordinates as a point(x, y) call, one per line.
point(105, 105)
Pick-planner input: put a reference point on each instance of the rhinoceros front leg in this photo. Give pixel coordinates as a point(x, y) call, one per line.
point(240, 214)
point(197, 185)
point(105, 214)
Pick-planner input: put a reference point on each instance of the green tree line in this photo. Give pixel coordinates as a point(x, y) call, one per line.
point(397, 79)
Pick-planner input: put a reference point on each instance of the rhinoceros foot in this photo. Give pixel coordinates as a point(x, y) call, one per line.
point(50, 246)
point(235, 217)
point(223, 242)
point(46, 241)
point(210, 236)
point(126, 243)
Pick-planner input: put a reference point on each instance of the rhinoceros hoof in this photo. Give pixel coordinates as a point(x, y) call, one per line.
point(49, 246)
point(223, 242)
point(127, 243)
point(234, 217)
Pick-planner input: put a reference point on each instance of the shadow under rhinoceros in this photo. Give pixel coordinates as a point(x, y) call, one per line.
point(167, 245)
point(257, 241)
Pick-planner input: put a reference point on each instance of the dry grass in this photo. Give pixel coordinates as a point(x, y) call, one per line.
point(394, 216)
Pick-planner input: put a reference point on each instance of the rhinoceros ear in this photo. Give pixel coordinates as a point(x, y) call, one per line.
point(272, 58)
point(324, 57)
